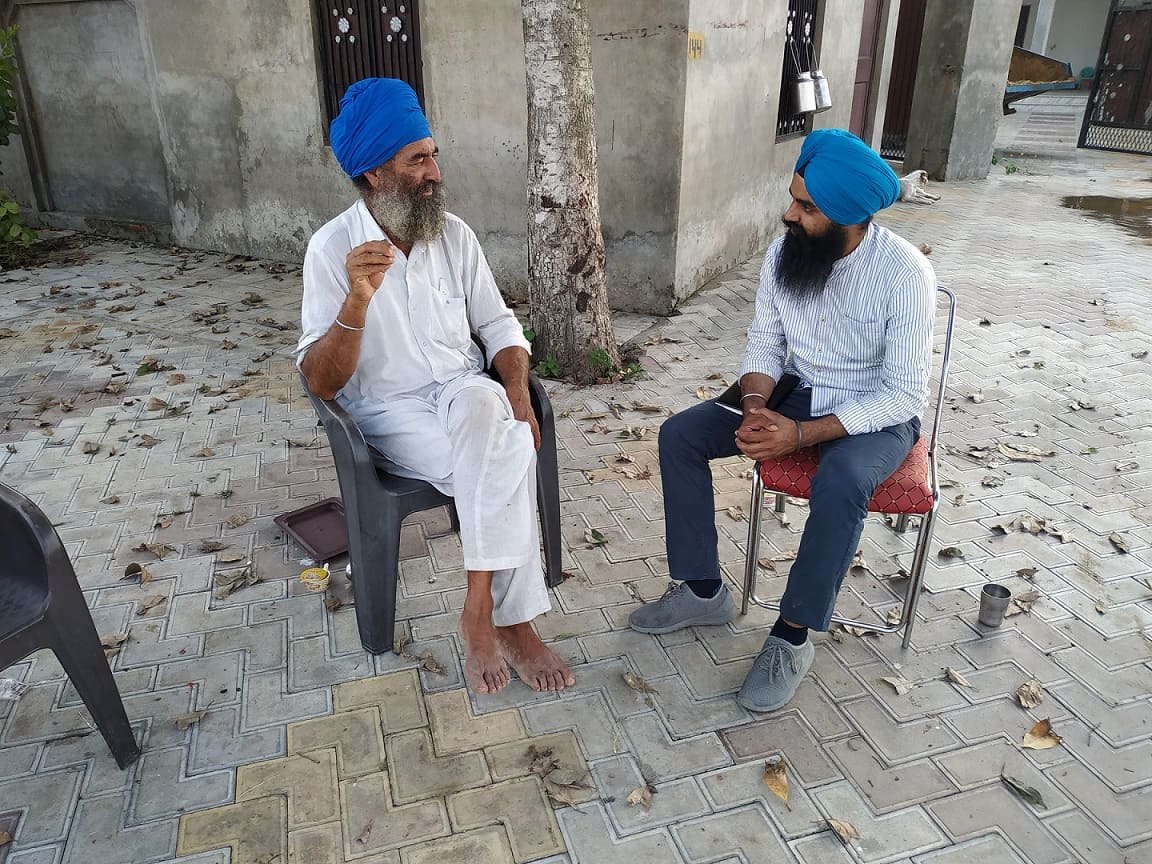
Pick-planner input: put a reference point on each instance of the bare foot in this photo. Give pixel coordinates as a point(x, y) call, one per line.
point(484, 669)
point(537, 665)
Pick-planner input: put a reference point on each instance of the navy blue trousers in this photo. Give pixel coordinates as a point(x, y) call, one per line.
point(850, 470)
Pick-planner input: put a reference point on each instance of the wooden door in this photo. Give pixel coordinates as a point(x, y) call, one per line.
point(865, 66)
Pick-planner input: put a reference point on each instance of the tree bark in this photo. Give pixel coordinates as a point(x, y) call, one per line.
point(566, 285)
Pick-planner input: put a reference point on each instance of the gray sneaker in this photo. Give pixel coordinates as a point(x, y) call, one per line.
point(680, 608)
point(775, 674)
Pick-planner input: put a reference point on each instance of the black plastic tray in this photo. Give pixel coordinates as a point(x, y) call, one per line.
point(319, 528)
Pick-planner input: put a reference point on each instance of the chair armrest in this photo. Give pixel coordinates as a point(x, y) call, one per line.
point(344, 436)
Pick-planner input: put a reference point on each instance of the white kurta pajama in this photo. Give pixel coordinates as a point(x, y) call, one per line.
point(420, 396)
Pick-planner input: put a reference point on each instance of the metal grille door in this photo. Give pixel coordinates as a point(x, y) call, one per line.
point(1119, 112)
point(360, 39)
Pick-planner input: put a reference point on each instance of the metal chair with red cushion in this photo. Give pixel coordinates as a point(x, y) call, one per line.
point(912, 490)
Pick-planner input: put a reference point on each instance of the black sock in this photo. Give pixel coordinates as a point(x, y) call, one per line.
point(792, 635)
point(704, 588)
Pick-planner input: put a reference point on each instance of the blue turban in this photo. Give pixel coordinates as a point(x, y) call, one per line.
point(845, 177)
point(377, 117)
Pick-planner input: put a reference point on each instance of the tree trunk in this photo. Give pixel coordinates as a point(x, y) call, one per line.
point(566, 284)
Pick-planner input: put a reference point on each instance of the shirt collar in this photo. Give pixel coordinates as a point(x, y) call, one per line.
point(859, 253)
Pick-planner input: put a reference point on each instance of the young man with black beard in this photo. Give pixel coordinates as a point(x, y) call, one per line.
point(394, 289)
point(846, 306)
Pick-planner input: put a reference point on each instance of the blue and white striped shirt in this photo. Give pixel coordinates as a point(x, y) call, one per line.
point(864, 345)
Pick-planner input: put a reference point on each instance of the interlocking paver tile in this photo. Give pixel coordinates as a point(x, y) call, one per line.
point(1121, 814)
point(396, 696)
point(661, 758)
point(373, 824)
point(417, 772)
point(308, 782)
point(455, 728)
point(781, 734)
point(672, 802)
point(325, 843)
point(164, 789)
point(356, 737)
point(521, 806)
point(906, 832)
point(972, 814)
point(255, 830)
point(745, 832)
point(557, 754)
point(590, 841)
point(487, 845)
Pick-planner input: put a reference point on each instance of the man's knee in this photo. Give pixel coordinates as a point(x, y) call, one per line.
point(676, 435)
point(843, 480)
point(479, 405)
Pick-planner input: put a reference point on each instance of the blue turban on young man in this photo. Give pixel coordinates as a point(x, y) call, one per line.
point(845, 177)
point(378, 116)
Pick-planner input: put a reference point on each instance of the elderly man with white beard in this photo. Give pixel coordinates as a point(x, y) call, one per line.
point(394, 289)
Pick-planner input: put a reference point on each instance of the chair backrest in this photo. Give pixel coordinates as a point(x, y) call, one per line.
point(29, 542)
point(942, 385)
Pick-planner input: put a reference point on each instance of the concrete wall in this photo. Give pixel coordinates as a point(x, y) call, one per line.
point(241, 120)
point(90, 92)
point(964, 57)
point(475, 88)
point(1077, 28)
point(735, 176)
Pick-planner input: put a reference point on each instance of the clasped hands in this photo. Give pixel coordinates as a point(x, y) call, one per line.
point(766, 434)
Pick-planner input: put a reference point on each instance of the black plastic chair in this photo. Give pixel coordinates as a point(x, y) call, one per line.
point(41, 606)
point(376, 502)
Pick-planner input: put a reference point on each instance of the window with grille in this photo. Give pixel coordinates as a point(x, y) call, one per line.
point(799, 56)
point(361, 39)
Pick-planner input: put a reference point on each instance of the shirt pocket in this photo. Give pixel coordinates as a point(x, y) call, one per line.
point(450, 316)
point(858, 344)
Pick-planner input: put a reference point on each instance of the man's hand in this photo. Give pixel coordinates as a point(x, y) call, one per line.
point(765, 435)
point(367, 264)
point(522, 411)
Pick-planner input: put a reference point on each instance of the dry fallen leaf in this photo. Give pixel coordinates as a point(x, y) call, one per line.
point(204, 453)
point(111, 643)
point(175, 378)
point(950, 552)
point(1030, 693)
point(1119, 543)
point(1027, 573)
point(185, 721)
point(894, 616)
point(157, 549)
point(776, 779)
point(111, 499)
point(236, 520)
point(641, 796)
point(844, 830)
point(637, 683)
point(5, 837)
point(976, 396)
point(956, 678)
point(1041, 737)
point(147, 441)
point(1028, 793)
point(991, 481)
point(164, 520)
point(1023, 452)
point(91, 448)
point(1124, 467)
point(154, 404)
point(207, 546)
point(145, 604)
point(230, 581)
point(333, 603)
point(137, 571)
point(899, 683)
point(737, 513)
point(591, 535)
point(363, 836)
point(230, 557)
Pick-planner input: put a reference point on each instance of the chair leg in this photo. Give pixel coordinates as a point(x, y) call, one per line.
point(901, 524)
point(753, 545)
point(781, 503)
point(77, 647)
point(454, 518)
point(375, 564)
point(916, 576)
point(548, 503)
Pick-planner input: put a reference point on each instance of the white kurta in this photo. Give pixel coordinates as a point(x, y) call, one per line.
point(420, 396)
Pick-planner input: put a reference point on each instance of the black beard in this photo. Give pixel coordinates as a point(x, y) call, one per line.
point(805, 262)
point(405, 212)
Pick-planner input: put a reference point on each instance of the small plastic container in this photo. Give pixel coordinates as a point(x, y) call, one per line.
point(316, 578)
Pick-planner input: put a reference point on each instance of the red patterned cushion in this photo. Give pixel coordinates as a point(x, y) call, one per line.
point(908, 490)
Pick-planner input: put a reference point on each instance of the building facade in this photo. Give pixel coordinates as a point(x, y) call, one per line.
point(205, 124)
